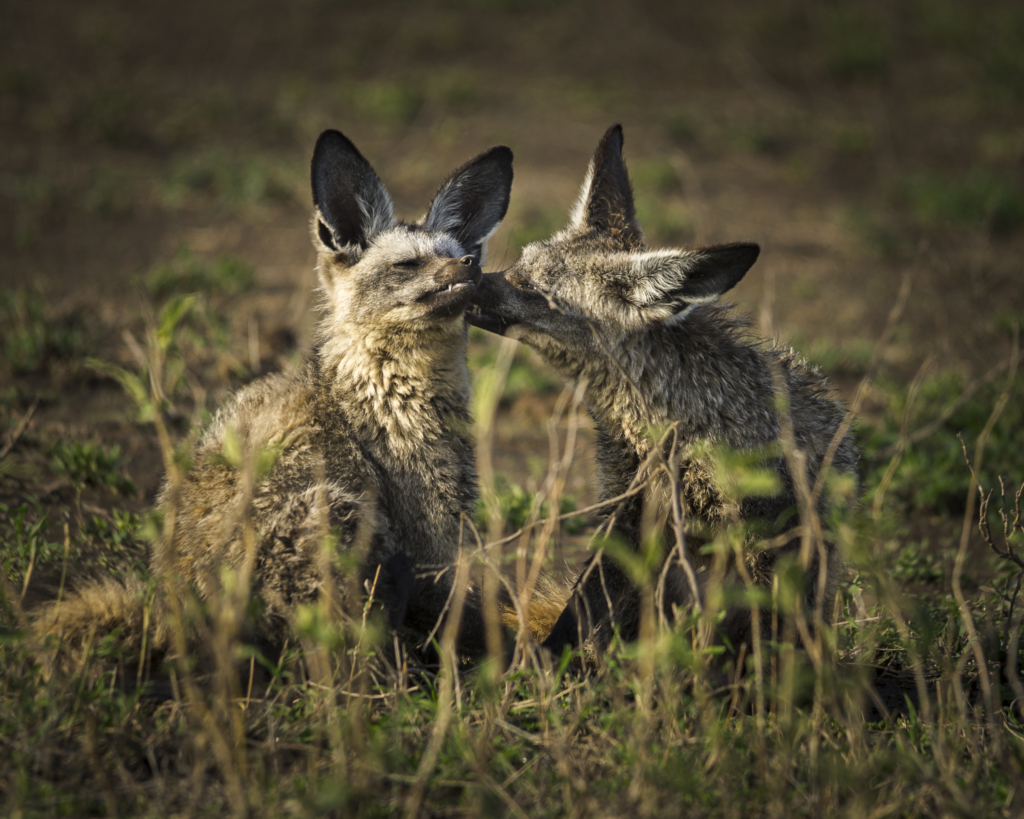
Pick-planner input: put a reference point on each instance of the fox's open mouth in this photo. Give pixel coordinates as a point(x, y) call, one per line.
point(449, 298)
point(488, 321)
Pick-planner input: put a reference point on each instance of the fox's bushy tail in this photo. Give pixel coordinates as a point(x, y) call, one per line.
point(546, 603)
point(70, 629)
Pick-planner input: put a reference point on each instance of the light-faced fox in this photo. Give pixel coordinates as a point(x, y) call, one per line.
point(368, 440)
point(640, 329)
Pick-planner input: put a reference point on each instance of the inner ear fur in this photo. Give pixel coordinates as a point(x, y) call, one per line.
point(718, 269)
point(473, 200)
point(685, 277)
point(606, 200)
point(351, 202)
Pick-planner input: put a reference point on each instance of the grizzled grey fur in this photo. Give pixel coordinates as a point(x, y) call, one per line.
point(640, 329)
point(372, 432)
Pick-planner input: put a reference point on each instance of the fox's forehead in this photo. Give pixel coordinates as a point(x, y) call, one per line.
point(579, 250)
point(544, 263)
point(411, 243)
point(536, 256)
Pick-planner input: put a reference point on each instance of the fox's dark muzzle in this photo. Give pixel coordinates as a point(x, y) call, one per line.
point(485, 310)
point(456, 280)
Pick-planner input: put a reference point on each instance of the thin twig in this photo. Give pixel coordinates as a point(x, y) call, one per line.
point(961, 555)
point(862, 389)
point(22, 426)
point(965, 396)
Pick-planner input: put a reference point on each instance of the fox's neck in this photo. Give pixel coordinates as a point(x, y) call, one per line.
point(704, 377)
point(401, 389)
point(406, 398)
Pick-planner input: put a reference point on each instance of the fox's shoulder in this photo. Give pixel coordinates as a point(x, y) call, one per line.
point(273, 411)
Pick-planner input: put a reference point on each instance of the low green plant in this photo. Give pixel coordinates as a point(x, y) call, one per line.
point(1001, 34)
point(756, 138)
point(980, 198)
point(657, 174)
point(116, 543)
point(190, 334)
point(895, 696)
point(388, 102)
point(682, 126)
point(918, 446)
point(918, 562)
point(226, 275)
point(161, 376)
point(535, 224)
point(88, 464)
point(25, 533)
point(235, 181)
point(516, 504)
point(1010, 321)
point(30, 340)
point(844, 358)
point(109, 193)
point(858, 44)
point(666, 218)
point(456, 91)
point(882, 236)
point(107, 113)
point(947, 23)
point(103, 544)
point(853, 138)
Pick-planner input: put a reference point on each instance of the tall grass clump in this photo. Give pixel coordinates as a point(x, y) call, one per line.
point(909, 704)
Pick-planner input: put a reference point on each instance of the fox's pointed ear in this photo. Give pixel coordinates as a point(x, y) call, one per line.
point(665, 283)
point(606, 199)
point(352, 203)
point(473, 200)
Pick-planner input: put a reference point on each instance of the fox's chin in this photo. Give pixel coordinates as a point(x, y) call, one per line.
point(489, 322)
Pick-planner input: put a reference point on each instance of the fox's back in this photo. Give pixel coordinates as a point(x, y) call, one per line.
point(717, 386)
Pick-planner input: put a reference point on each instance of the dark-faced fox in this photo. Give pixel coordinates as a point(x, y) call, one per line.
point(640, 331)
point(368, 440)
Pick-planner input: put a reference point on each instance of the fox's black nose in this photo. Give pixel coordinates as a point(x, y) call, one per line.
point(467, 260)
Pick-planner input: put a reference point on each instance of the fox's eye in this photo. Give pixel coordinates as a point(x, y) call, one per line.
point(408, 263)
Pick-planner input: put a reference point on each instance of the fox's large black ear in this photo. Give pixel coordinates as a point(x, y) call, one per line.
point(352, 203)
point(473, 200)
point(666, 283)
point(606, 199)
